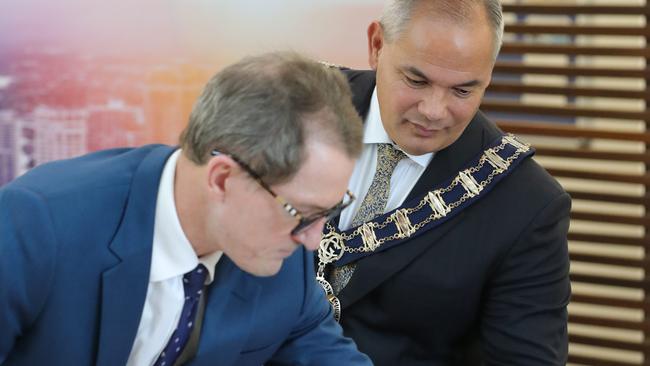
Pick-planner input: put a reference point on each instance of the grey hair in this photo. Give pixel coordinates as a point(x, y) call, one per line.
point(397, 14)
point(264, 109)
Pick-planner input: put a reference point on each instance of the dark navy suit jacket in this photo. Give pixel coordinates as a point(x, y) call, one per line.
point(489, 286)
point(75, 252)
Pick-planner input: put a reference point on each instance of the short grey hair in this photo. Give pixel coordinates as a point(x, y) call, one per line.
point(398, 13)
point(264, 109)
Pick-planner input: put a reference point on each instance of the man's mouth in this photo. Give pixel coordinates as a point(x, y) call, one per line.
point(423, 131)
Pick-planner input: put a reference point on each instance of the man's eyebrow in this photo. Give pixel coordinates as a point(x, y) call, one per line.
point(416, 72)
point(311, 208)
point(468, 84)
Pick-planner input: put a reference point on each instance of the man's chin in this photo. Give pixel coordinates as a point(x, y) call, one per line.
point(416, 145)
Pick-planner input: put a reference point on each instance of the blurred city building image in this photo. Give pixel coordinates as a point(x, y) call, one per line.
point(78, 76)
point(52, 107)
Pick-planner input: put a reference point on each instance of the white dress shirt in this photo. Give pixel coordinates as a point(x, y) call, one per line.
point(406, 173)
point(172, 257)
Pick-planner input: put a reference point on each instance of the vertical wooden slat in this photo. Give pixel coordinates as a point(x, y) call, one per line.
point(646, 333)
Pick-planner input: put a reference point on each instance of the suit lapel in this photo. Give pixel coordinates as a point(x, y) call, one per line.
point(124, 286)
point(229, 315)
point(371, 271)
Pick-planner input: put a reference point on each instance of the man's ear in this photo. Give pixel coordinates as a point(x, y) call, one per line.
point(375, 43)
point(220, 169)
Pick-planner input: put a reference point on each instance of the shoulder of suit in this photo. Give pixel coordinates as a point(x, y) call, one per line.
point(91, 172)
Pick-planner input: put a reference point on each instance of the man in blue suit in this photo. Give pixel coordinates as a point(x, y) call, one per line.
point(198, 255)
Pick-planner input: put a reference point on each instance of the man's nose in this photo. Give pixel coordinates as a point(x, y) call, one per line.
point(433, 105)
point(310, 237)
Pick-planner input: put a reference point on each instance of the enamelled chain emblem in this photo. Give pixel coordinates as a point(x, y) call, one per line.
point(417, 216)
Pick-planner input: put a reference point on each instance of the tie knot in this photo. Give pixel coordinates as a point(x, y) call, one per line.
point(389, 155)
point(194, 280)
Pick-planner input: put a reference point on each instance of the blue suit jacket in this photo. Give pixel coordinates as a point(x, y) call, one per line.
point(75, 252)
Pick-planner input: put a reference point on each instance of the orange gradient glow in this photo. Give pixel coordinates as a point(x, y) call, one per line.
point(77, 76)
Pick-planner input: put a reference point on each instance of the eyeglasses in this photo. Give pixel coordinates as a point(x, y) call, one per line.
point(303, 221)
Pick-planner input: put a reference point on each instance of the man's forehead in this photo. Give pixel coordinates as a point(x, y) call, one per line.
point(322, 179)
point(455, 12)
point(454, 53)
point(472, 35)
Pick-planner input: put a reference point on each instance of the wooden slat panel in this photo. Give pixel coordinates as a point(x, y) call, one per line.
point(591, 154)
point(523, 47)
point(568, 10)
point(570, 91)
point(575, 30)
point(613, 198)
point(591, 361)
point(610, 281)
point(610, 177)
point(541, 112)
point(564, 130)
point(602, 342)
point(570, 110)
point(625, 262)
point(520, 68)
point(612, 323)
point(609, 239)
point(619, 219)
point(598, 300)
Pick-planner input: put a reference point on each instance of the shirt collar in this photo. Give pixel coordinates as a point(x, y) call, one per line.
point(374, 132)
point(172, 254)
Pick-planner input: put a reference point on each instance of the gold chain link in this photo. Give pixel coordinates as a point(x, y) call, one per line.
point(378, 226)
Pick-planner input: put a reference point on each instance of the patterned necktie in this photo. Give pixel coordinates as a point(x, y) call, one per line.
point(373, 205)
point(193, 285)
